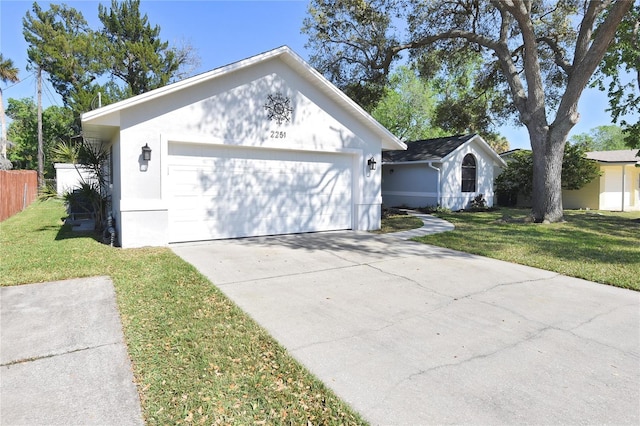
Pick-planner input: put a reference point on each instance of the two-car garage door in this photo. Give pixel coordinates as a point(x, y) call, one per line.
point(227, 192)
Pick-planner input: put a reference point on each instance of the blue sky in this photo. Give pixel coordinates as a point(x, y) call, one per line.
point(223, 32)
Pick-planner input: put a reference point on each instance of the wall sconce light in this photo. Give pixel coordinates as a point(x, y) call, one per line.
point(146, 152)
point(371, 162)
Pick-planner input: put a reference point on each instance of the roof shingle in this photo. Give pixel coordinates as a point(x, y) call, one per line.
point(427, 149)
point(619, 156)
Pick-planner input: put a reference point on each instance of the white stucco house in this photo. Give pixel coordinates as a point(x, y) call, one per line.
point(262, 146)
point(447, 172)
point(617, 188)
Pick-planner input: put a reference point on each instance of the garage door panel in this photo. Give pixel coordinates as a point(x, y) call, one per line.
point(266, 202)
point(221, 183)
point(192, 207)
point(235, 192)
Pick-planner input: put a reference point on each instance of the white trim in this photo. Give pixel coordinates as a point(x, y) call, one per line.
point(439, 180)
point(484, 145)
point(201, 139)
point(68, 166)
point(410, 194)
point(434, 194)
point(396, 163)
point(624, 189)
point(389, 141)
point(466, 195)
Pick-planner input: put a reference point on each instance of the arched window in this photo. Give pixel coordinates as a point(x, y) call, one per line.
point(469, 173)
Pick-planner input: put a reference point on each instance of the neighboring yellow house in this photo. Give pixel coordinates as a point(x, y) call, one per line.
point(617, 188)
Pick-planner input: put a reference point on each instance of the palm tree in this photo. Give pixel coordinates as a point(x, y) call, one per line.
point(8, 73)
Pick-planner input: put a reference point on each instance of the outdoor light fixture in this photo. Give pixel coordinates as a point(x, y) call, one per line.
point(146, 152)
point(371, 162)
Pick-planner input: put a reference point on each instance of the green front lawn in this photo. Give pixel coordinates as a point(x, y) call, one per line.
point(398, 222)
point(598, 246)
point(197, 358)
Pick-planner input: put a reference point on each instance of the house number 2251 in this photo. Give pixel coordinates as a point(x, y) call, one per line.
point(276, 134)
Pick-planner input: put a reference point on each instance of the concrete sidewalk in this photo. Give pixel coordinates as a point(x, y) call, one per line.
point(63, 360)
point(412, 334)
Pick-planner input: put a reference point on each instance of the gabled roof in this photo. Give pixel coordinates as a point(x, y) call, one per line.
point(511, 152)
point(427, 149)
point(436, 150)
point(110, 115)
point(629, 156)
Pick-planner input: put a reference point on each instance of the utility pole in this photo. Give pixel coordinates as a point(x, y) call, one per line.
point(40, 142)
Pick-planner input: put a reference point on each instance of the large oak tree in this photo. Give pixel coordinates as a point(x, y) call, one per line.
point(545, 52)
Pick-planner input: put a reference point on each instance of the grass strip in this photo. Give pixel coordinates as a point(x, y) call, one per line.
point(197, 357)
point(597, 246)
point(399, 222)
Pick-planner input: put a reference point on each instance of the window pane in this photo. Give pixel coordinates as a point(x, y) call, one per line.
point(469, 173)
point(469, 160)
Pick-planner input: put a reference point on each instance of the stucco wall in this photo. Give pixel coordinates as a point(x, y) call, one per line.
point(587, 197)
point(452, 195)
point(116, 185)
point(409, 185)
point(634, 187)
point(605, 192)
point(71, 176)
point(611, 187)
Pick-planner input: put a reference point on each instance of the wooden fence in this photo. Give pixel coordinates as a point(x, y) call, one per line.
point(18, 189)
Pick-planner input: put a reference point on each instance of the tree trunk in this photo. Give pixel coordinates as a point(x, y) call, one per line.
point(40, 141)
point(548, 153)
point(3, 123)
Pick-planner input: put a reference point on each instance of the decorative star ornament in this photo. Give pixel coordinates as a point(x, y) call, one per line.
point(278, 108)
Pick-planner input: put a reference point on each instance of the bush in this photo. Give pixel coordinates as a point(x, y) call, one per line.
point(87, 200)
point(478, 204)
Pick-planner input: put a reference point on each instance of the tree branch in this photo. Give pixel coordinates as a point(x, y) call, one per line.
point(558, 53)
point(447, 35)
point(582, 70)
point(535, 100)
point(636, 45)
point(586, 28)
point(505, 21)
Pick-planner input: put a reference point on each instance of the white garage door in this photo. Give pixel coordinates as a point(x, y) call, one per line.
point(228, 192)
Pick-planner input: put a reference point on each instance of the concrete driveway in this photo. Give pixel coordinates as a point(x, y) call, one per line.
point(413, 334)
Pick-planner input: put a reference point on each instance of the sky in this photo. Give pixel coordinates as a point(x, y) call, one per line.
point(223, 32)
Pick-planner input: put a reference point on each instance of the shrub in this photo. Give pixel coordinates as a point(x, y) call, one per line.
point(478, 204)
